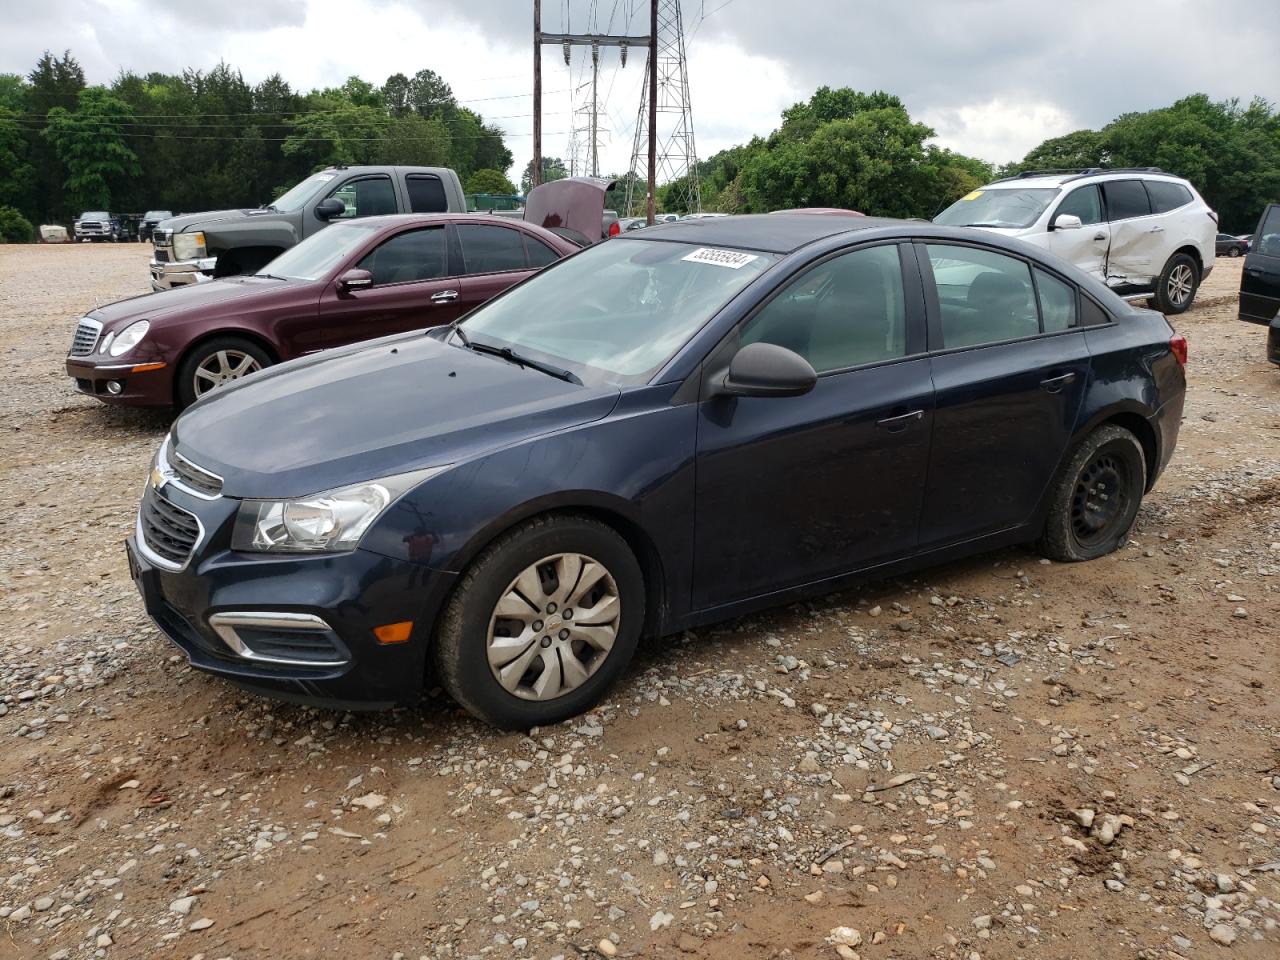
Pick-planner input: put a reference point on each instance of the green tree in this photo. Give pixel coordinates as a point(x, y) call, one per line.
point(344, 133)
point(430, 96)
point(90, 144)
point(14, 227)
point(415, 141)
point(17, 176)
point(55, 82)
point(490, 181)
point(553, 168)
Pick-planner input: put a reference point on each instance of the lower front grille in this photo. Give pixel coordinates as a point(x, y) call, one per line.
point(287, 639)
point(169, 532)
point(86, 337)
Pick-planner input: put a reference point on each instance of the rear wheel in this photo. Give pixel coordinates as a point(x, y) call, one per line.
point(215, 362)
point(1233, 251)
point(1177, 284)
point(542, 623)
point(1096, 496)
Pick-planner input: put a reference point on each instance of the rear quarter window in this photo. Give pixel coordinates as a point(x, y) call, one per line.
point(1167, 196)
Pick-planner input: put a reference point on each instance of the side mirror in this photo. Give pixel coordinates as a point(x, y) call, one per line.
point(355, 279)
point(330, 207)
point(1066, 221)
point(768, 370)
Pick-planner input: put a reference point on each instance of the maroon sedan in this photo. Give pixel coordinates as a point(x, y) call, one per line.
point(353, 281)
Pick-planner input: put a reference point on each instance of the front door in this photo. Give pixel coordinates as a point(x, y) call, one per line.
point(1087, 246)
point(1010, 366)
point(1260, 281)
point(796, 490)
point(412, 289)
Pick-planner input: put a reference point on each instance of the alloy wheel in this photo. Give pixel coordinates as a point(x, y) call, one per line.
point(220, 367)
point(553, 627)
point(1181, 280)
point(1100, 501)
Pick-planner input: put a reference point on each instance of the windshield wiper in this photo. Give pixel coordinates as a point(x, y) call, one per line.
point(506, 353)
point(270, 276)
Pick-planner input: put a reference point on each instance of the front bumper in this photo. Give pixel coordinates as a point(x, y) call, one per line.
point(165, 275)
point(225, 611)
point(141, 384)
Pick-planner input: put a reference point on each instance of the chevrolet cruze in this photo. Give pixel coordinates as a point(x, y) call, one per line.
point(679, 425)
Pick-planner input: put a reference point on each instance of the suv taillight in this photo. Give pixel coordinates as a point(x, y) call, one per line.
point(615, 228)
point(1178, 344)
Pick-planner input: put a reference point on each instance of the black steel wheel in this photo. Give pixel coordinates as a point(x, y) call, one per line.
point(1096, 496)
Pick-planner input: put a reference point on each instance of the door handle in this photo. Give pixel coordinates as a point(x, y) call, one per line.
point(444, 296)
point(1099, 235)
point(1253, 271)
point(1156, 230)
point(899, 422)
point(1055, 384)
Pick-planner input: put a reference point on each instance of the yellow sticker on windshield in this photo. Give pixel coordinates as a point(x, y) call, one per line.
point(972, 196)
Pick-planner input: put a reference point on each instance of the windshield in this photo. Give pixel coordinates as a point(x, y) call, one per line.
point(297, 197)
point(157, 215)
point(315, 256)
point(1002, 207)
point(95, 215)
point(619, 310)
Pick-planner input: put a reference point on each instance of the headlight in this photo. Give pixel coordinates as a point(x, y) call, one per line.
point(326, 522)
point(189, 246)
point(129, 337)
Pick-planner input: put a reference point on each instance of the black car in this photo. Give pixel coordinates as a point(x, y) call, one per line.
point(680, 425)
point(1225, 245)
point(150, 220)
point(1260, 280)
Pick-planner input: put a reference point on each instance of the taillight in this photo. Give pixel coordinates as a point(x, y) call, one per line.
point(614, 229)
point(1178, 344)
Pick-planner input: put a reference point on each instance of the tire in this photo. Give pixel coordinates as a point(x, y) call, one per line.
point(498, 581)
point(207, 355)
point(1176, 288)
point(1233, 251)
point(1095, 497)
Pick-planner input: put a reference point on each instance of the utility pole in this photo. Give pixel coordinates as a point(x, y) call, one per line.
point(651, 213)
point(595, 41)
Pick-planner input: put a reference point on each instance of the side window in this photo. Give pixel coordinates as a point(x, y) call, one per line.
point(426, 194)
point(1057, 302)
point(1267, 242)
point(487, 248)
point(983, 297)
point(1166, 196)
point(415, 255)
point(1126, 199)
point(369, 197)
point(539, 253)
point(1085, 202)
point(842, 313)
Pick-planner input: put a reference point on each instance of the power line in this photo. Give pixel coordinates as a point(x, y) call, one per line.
point(200, 120)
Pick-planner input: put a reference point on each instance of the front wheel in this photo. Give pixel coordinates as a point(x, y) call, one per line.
point(215, 362)
point(1233, 251)
point(1177, 284)
point(542, 623)
point(1096, 496)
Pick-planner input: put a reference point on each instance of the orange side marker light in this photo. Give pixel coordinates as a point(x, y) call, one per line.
point(394, 632)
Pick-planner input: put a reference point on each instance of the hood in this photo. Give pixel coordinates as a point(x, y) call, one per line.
point(194, 221)
point(399, 404)
point(574, 204)
point(195, 298)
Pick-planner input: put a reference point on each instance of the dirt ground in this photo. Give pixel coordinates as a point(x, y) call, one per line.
point(999, 758)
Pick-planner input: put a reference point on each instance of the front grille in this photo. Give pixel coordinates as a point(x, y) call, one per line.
point(170, 532)
point(162, 256)
point(189, 475)
point(162, 237)
point(86, 337)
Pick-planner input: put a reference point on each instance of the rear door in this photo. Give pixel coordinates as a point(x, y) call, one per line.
point(494, 257)
point(1137, 241)
point(413, 288)
point(1087, 247)
point(1010, 365)
point(1260, 281)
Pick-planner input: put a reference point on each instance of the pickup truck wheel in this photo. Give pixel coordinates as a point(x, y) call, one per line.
point(1176, 287)
point(215, 362)
point(1095, 497)
point(542, 623)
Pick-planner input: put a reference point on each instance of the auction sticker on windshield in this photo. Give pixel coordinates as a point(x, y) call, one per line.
point(972, 196)
point(733, 259)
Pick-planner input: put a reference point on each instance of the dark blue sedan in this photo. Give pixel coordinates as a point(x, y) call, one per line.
point(680, 425)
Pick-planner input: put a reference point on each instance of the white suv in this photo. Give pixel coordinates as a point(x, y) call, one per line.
point(1145, 233)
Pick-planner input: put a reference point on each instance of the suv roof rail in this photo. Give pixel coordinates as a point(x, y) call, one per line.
point(1077, 172)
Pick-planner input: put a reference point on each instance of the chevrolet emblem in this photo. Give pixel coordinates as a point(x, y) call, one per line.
point(158, 478)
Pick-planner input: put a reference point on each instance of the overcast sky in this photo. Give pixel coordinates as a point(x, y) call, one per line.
point(992, 77)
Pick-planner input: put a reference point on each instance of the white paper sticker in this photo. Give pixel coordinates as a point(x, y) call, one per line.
point(733, 259)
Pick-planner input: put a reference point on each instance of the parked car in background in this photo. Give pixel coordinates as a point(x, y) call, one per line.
point(97, 226)
point(362, 279)
point(681, 425)
point(203, 246)
point(632, 223)
point(1144, 233)
point(1260, 280)
point(1228, 246)
point(150, 220)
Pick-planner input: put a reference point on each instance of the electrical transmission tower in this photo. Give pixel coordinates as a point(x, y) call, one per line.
point(677, 157)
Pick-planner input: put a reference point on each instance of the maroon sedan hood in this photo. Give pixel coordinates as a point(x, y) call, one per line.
point(198, 297)
point(574, 204)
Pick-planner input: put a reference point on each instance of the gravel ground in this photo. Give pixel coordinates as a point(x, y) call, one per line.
point(997, 758)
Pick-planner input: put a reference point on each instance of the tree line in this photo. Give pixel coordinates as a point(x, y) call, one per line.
point(209, 140)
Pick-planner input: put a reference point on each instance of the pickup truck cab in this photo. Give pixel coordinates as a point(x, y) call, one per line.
point(97, 225)
point(225, 243)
